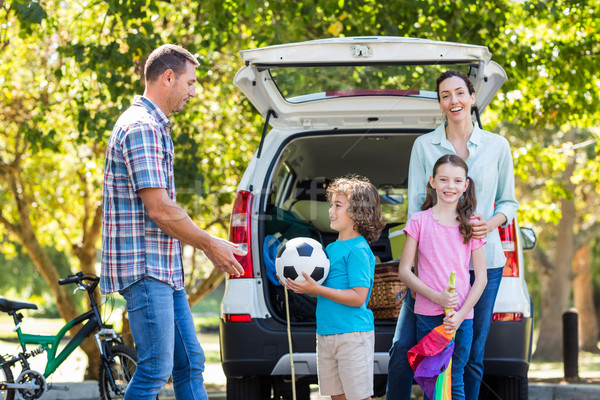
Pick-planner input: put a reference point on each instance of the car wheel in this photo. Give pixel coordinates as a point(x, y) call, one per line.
point(248, 388)
point(302, 391)
point(504, 387)
point(379, 385)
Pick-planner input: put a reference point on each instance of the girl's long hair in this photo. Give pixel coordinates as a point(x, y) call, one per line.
point(466, 204)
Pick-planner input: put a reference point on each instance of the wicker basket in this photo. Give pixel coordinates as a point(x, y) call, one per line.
point(387, 293)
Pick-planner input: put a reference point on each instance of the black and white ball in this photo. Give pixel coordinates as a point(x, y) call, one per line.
point(300, 255)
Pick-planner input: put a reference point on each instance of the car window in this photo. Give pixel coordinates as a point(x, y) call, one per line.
point(394, 206)
point(282, 185)
point(300, 84)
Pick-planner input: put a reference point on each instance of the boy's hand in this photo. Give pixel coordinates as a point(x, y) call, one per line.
point(308, 287)
point(447, 299)
point(280, 281)
point(452, 321)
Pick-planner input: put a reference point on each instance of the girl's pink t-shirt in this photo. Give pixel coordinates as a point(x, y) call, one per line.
point(441, 249)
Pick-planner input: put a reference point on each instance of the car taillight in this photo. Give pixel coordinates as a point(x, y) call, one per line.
point(238, 318)
point(239, 231)
point(509, 245)
point(507, 316)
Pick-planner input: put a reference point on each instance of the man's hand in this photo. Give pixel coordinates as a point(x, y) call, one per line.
point(221, 253)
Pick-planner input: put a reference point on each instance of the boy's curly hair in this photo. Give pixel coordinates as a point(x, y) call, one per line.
point(364, 206)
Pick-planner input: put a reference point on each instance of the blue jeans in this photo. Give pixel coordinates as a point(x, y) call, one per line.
point(166, 343)
point(462, 348)
point(400, 373)
point(481, 327)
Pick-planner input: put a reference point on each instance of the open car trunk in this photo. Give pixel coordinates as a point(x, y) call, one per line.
point(296, 204)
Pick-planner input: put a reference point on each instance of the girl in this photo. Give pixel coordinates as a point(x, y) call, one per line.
point(441, 235)
point(345, 326)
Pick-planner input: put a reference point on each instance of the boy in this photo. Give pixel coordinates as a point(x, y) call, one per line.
point(345, 326)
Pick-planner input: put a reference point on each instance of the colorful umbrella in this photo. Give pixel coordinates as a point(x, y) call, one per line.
point(431, 359)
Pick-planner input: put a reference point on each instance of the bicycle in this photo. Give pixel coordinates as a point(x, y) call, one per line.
point(118, 361)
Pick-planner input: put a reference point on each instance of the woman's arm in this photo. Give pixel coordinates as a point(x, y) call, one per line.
point(453, 318)
point(505, 200)
point(417, 180)
point(444, 298)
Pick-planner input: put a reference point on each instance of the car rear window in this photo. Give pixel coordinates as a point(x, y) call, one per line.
point(301, 84)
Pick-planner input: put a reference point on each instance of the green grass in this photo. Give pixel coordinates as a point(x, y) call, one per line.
point(210, 323)
point(211, 303)
point(589, 368)
point(207, 329)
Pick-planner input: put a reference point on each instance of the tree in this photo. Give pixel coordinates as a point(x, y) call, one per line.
point(548, 106)
point(583, 292)
point(58, 109)
point(47, 180)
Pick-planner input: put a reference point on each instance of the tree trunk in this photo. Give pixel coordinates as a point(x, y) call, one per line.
point(597, 305)
point(583, 293)
point(64, 303)
point(25, 232)
point(556, 281)
point(196, 293)
point(86, 254)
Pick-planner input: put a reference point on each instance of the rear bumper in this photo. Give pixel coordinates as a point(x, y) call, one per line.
point(253, 348)
point(260, 347)
point(508, 348)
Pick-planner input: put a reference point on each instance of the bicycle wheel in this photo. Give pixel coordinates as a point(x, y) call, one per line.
point(6, 376)
point(122, 369)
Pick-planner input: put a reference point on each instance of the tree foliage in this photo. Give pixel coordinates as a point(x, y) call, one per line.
point(68, 69)
point(549, 111)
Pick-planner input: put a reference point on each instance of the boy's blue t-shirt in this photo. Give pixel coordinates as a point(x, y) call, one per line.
point(352, 264)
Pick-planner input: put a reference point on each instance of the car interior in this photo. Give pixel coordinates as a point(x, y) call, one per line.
point(296, 203)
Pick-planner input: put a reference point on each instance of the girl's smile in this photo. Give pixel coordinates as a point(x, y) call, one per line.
point(450, 182)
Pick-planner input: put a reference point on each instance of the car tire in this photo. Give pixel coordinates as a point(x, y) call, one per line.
point(379, 385)
point(248, 388)
point(302, 391)
point(504, 387)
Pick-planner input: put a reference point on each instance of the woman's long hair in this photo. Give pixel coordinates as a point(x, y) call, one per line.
point(466, 204)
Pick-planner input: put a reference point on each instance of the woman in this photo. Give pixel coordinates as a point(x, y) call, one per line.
point(490, 165)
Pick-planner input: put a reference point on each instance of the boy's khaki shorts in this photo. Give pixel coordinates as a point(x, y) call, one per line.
point(345, 364)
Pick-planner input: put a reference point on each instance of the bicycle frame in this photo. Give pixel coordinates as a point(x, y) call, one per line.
point(50, 343)
point(92, 324)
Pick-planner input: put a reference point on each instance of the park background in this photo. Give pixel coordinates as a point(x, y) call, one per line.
point(69, 68)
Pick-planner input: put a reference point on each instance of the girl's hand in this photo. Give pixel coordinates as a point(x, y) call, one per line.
point(452, 321)
point(447, 299)
point(480, 226)
point(308, 287)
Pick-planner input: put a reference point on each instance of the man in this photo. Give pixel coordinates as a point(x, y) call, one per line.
point(142, 227)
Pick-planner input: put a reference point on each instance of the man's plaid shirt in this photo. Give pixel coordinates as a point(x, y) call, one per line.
point(139, 155)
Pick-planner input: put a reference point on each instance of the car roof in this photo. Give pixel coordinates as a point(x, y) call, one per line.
point(285, 79)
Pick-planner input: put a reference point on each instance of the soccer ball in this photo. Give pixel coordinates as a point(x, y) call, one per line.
point(300, 255)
